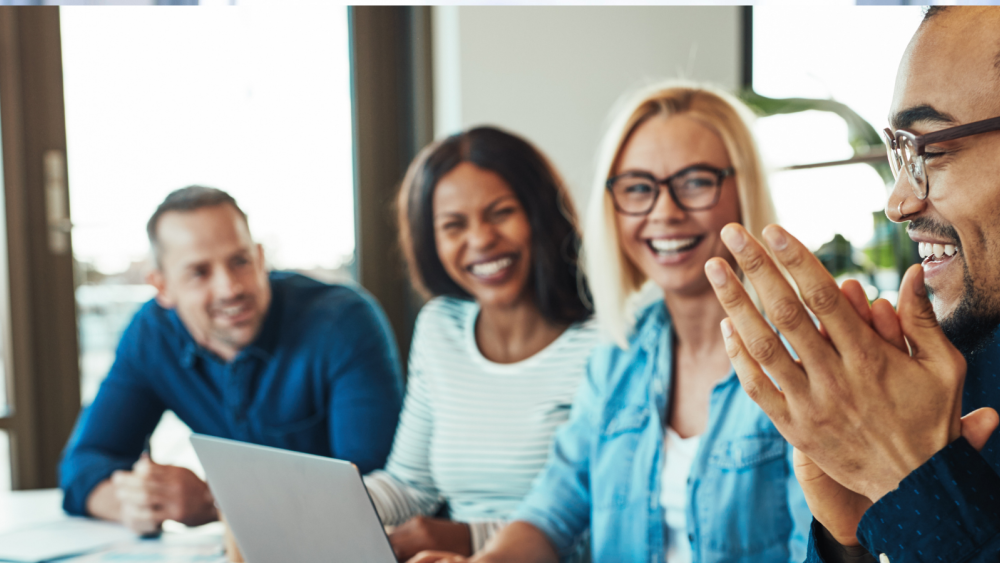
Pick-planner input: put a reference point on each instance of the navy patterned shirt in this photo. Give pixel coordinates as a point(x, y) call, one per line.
point(948, 509)
point(321, 377)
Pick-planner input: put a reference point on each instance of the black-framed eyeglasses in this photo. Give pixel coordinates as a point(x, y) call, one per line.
point(906, 150)
point(694, 188)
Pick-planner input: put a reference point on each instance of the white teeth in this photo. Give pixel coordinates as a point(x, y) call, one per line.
point(487, 269)
point(936, 251)
point(671, 244)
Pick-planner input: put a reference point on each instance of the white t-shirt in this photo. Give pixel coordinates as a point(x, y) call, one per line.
point(473, 432)
point(679, 455)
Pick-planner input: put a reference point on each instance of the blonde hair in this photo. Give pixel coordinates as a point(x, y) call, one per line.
point(614, 279)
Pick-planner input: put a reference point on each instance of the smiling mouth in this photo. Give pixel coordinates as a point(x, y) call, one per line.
point(232, 312)
point(492, 268)
point(934, 252)
point(673, 246)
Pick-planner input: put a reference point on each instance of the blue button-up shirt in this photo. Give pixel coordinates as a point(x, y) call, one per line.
point(744, 503)
point(948, 509)
point(322, 377)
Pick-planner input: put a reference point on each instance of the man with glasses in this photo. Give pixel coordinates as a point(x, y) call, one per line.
point(874, 404)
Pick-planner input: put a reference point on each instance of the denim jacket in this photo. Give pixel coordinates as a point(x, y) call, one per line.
point(744, 503)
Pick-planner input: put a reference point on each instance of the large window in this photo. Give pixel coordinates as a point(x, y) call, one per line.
point(254, 100)
point(849, 55)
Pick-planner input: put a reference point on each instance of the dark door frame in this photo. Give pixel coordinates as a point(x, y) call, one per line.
point(40, 351)
point(392, 101)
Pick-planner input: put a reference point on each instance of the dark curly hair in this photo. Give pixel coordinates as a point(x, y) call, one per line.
point(560, 289)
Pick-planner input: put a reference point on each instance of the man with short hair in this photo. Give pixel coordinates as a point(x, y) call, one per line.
point(273, 358)
point(874, 405)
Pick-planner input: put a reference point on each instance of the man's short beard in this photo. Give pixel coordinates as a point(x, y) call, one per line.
point(971, 325)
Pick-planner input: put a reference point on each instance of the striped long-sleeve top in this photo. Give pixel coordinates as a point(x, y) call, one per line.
point(474, 433)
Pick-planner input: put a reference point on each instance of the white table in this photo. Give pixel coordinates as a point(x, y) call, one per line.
point(38, 512)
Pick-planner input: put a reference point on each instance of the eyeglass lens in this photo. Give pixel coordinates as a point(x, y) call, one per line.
point(903, 156)
point(696, 189)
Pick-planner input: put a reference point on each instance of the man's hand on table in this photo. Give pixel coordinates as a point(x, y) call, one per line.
point(857, 404)
point(423, 533)
point(438, 557)
point(151, 493)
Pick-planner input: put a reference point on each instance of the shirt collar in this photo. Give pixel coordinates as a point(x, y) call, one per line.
point(653, 328)
point(652, 323)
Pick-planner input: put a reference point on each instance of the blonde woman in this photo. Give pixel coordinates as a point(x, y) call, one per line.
point(665, 458)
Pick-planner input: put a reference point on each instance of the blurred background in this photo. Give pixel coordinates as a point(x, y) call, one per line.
point(309, 116)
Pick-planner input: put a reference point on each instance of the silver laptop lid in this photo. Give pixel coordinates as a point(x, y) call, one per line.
point(285, 506)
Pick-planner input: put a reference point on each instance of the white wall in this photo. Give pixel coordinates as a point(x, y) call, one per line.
point(552, 74)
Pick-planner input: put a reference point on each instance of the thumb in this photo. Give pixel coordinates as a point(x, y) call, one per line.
point(979, 425)
point(144, 464)
point(917, 318)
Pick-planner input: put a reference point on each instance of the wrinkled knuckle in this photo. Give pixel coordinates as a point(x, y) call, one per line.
point(781, 420)
point(786, 314)
point(823, 299)
point(730, 297)
point(792, 258)
point(733, 349)
point(925, 317)
point(764, 349)
point(753, 262)
point(752, 388)
point(864, 362)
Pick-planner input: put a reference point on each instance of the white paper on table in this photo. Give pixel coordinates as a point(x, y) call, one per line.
point(72, 536)
point(164, 550)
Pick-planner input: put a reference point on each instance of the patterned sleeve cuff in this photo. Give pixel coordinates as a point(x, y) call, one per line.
point(948, 507)
point(483, 532)
point(825, 549)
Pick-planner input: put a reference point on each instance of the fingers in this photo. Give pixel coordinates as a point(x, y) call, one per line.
point(137, 492)
point(880, 315)
point(755, 382)
point(758, 345)
point(979, 425)
point(805, 468)
point(142, 519)
point(780, 301)
point(855, 295)
point(917, 318)
point(819, 292)
point(143, 465)
point(886, 324)
point(436, 557)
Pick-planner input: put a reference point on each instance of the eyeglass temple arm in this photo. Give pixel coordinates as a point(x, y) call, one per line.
point(967, 130)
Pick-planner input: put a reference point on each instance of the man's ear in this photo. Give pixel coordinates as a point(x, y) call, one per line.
point(156, 279)
point(260, 255)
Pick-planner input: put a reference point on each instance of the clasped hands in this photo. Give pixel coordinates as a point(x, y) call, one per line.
point(151, 493)
point(875, 392)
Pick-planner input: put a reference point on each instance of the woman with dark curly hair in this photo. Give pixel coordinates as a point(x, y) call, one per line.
point(489, 233)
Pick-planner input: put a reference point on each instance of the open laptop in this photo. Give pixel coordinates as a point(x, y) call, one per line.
point(285, 506)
